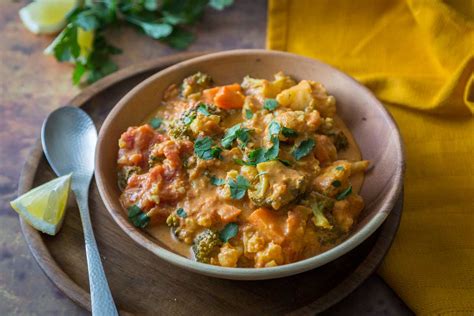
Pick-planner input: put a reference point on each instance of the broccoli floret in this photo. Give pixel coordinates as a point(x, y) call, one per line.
point(195, 83)
point(340, 140)
point(206, 245)
point(125, 173)
point(181, 127)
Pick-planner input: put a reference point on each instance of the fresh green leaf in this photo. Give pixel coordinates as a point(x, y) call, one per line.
point(179, 38)
point(77, 74)
point(303, 149)
point(181, 213)
point(272, 152)
point(188, 119)
point(220, 4)
point(288, 132)
point(156, 122)
point(233, 133)
point(153, 29)
point(248, 114)
point(150, 5)
point(216, 181)
point(340, 168)
point(336, 183)
point(203, 149)
point(238, 187)
point(257, 156)
point(202, 108)
point(344, 193)
point(87, 21)
point(137, 217)
point(270, 104)
point(228, 232)
point(274, 128)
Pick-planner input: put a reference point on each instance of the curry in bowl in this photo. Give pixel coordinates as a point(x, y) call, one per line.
point(257, 174)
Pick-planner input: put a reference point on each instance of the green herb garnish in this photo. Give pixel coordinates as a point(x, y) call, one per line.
point(161, 20)
point(156, 122)
point(137, 217)
point(344, 193)
point(340, 168)
point(274, 128)
point(202, 108)
point(181, 213)
point(203, 149)
point(288, 132)
point(238, 187)
point(248, 114)
point(188, 119)
point(285, 162)
point(236, 132)
point(303, 149)
point(216, 181)
point(336, 183)
point(230, 231)
point(270, 104)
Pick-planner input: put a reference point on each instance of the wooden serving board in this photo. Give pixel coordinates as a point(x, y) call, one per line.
point(142, 283)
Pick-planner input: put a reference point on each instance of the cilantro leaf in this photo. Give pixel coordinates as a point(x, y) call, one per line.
point(303, 149)
point(203, 149)
point(156, 122)
point(261, 154)
point(87, 20)
point(288, 132)
point(216, 181)
point(179, 38)
point(181, 213)
point(344, 193)
point(220, 4)
point(270, 104)
point(230, 231)
point(137, 217)
point(238, 187)
point(336, 183)
point(236, 132)
point(202, 108)
point(274, 128)
point(340, 168)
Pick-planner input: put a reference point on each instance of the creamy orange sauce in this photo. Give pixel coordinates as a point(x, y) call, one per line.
point(285, 186)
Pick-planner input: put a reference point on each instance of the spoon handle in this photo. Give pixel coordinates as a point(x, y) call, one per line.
point(102, 302)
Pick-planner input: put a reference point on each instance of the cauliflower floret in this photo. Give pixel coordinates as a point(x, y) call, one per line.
point(206, 125)
point(346, 211)
point(299, 121)
point(265, 88)
point(253, 242)
point(277, 185)
point(325, 151)
point(308, 95)
point(272, 255)
point(229, 255)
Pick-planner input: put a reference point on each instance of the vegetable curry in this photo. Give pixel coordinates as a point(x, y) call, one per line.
point(256, 174)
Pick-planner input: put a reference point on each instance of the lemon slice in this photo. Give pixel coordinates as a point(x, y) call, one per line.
point(44, 206)
point(46, 16)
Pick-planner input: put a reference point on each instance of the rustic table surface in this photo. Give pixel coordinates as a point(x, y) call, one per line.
point(32, 85)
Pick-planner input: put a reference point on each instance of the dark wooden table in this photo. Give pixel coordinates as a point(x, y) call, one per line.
point(32, 85)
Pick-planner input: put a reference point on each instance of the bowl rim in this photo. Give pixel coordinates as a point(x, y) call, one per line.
point(251, 273)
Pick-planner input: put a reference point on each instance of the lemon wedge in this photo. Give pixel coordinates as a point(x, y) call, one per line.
point(46, 16)
point(44, 206)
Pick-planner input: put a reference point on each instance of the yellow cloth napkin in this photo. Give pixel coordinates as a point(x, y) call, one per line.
point(418, 57)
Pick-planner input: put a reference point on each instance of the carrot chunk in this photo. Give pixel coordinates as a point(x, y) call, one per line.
point(268, 224)
point(225, 97)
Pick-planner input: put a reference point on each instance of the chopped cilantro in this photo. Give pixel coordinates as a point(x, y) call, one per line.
point(230, 231)
point(336, 183)
point(181, 213)
point(236, 132)
point(137, 217)
point(248, 114)
point(216, 181)
point(270, 104)
point(340, 168)
point(202, 108)
point(303, 149)
point(188, 119)
point(203, 149)
point(344, 193)
point(288, 132)
point(156, 122)
point(274, 128)
point(238, 187)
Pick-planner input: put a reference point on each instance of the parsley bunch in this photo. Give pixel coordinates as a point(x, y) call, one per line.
point(162, 20)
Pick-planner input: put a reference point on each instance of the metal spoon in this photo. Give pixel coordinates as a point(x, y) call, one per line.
point(69, 138)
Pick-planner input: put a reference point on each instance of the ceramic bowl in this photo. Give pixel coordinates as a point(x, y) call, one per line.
point(372, 126)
